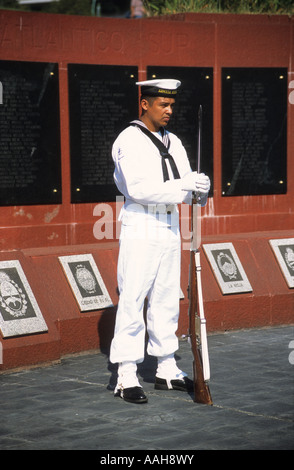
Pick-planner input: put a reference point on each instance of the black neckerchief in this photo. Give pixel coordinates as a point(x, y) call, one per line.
point(163, 149)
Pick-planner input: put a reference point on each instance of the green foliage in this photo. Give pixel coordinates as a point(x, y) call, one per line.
point(78, 7)
point(166, 7)
point(69, 7)
point(9, 4)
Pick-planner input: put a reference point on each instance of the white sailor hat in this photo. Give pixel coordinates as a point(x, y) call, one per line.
point(159, 87)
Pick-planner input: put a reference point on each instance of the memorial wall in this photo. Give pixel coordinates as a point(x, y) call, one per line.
point(67, 88)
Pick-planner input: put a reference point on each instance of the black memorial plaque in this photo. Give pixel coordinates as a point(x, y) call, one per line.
point(103, 99)
point(196, 88)
point(254, 131)
point(30, 162)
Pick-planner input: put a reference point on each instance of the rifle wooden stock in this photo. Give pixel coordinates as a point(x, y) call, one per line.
point(197, 332)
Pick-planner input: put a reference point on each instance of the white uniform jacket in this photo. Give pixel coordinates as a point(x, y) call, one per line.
point(138, 176)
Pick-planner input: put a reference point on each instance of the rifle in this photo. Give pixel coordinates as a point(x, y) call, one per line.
point(197, 322)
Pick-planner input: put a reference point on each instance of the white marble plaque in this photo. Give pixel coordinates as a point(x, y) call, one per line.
point(284, 252)
point(19, 311)
point(227, 268)
point(86, 282)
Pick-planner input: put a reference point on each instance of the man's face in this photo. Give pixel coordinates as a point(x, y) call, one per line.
point(157, 112)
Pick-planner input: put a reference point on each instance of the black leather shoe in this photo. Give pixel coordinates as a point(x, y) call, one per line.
point(184, 385)
point(132, 395)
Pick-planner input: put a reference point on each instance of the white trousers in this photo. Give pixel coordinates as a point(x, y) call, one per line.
point(148, 267)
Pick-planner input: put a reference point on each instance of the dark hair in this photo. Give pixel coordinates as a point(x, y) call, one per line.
point(148, 98)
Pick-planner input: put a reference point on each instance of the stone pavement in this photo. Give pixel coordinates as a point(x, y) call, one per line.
point(68, 405)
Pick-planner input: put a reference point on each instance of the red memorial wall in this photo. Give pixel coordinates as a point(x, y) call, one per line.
point(37, 234)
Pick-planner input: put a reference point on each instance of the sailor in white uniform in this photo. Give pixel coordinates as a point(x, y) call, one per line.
point(154, 181)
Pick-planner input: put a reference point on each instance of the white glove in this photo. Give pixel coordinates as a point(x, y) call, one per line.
point(196, 182)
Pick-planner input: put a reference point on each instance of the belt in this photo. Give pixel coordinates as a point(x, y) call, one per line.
point(150, 208)
point(161, 209)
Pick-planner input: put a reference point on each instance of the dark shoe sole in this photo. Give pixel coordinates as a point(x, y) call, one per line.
point(185, 385)
point(138, 401)
point(132, 395)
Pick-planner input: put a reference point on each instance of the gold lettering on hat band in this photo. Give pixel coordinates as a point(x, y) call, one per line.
point(168, 92)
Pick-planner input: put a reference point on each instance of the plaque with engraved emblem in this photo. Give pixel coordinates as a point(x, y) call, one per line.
point(227, 268)
point(19, 310)
point(103, 99)
point(284, 253)
point(30, 161)
point(86, 282)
